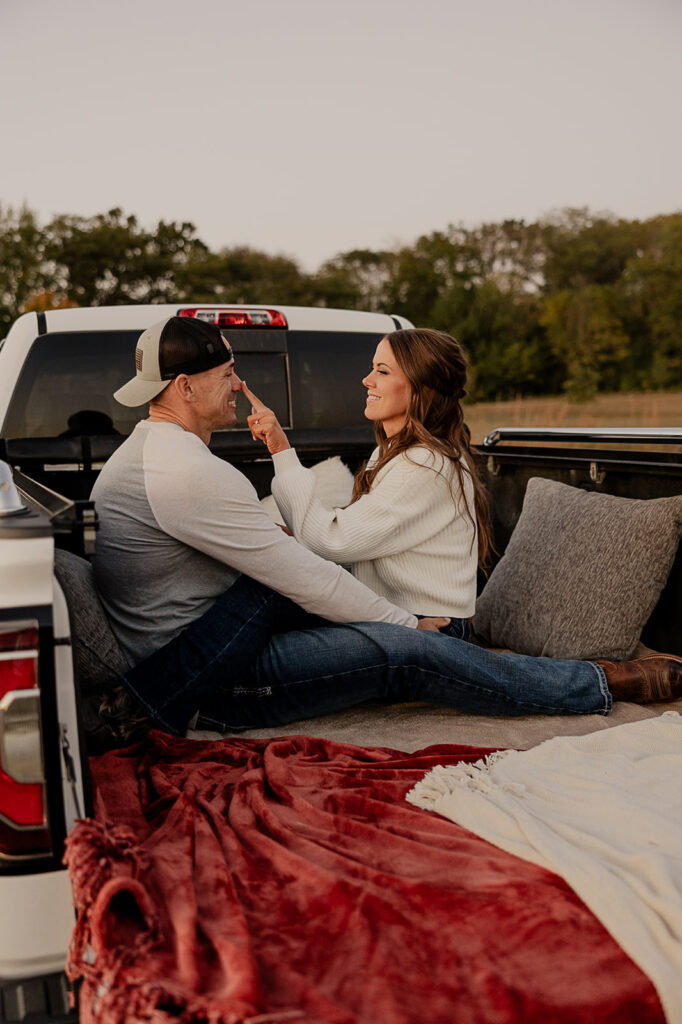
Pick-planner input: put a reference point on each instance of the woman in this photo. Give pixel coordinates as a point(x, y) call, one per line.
point(418, 524)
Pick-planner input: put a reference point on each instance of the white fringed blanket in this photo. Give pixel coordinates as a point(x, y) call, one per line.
point(604, 812)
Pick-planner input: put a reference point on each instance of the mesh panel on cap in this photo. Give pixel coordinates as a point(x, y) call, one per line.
point(190, 346)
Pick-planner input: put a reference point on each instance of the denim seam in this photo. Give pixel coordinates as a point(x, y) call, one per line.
point(151, 711)
point(603, 688)
point(205, 722)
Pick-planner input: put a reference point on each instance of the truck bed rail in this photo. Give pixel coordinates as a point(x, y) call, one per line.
point(605, 435)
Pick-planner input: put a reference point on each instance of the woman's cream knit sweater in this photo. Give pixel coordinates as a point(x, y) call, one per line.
point(410, 539)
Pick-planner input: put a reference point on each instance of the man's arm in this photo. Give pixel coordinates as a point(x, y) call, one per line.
point(209, 505)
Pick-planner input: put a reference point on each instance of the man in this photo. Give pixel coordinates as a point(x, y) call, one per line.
point(216, 608)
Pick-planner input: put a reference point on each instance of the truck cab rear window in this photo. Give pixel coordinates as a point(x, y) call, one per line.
point(67, 384)
point(327, 368)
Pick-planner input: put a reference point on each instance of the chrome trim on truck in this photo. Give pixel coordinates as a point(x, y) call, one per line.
point(644, 435)
point(21, 747)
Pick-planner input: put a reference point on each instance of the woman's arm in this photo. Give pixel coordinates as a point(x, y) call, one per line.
point(409, 503)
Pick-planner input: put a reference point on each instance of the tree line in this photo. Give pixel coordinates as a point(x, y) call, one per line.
point(576, 302)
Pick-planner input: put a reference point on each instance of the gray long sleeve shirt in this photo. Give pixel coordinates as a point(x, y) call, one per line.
point(178, 525)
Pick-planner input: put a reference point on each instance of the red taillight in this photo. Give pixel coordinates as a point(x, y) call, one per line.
point(17, 636)
point(237, 317)
point(22, 801)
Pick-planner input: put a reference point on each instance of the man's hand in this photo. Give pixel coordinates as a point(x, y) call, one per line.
point(264, 425)
point(433, 624)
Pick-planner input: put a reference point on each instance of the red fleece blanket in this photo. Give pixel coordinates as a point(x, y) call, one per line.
point(288, 880)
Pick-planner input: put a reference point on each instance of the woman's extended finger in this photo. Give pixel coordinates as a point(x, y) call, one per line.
point(256, 403)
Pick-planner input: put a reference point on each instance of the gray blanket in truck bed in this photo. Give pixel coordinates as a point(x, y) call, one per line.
point(411, 727)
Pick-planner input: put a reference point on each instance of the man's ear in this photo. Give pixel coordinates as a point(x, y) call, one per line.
point(184, 388)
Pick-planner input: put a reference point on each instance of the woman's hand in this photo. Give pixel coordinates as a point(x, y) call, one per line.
point(433, 624)
point(264, 425)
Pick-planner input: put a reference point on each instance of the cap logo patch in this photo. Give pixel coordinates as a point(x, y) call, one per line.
point(138, 360)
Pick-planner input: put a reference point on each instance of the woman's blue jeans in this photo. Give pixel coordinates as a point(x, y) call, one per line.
point(255, 659)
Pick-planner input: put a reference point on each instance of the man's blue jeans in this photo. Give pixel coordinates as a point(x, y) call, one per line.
point(255, 659)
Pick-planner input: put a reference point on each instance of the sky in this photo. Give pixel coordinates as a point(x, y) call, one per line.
point(309, 127)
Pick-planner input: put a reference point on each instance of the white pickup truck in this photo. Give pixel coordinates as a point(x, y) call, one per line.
point(58, 424)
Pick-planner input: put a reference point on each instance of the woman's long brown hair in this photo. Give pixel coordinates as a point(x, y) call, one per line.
point(436, 369)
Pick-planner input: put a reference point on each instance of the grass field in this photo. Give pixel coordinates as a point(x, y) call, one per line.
point(651, 409)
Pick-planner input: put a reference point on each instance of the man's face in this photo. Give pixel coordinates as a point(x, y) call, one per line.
point(216, 391)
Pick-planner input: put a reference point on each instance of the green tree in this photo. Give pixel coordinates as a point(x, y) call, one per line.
point(506, 345)
point(512, 253)
point(358, 279)
point(22, 267)
point(582, 249)
point(452, 307)
point(414, 286)
point(111, 259)
point(242, 275)
point(651, 295)
point(587, 336)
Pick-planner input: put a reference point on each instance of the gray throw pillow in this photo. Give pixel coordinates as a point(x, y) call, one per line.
point(581, 574)
point(98, 659)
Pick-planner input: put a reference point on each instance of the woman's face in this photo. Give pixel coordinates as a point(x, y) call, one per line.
point(388, 390)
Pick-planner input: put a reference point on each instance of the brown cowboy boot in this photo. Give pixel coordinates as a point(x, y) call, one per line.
point(655, 677)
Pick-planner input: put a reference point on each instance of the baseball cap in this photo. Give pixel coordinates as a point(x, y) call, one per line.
point(173, 346)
